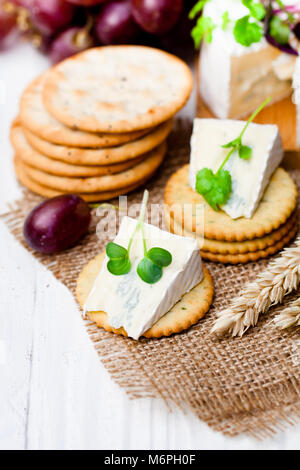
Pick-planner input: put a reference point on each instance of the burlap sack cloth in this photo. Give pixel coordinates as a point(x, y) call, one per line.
point(249, 384)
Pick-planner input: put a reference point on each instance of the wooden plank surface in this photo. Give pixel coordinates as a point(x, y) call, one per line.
point(55, 393)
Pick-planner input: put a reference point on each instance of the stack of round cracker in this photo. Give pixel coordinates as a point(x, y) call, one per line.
point(97, 124)
point(222, 239)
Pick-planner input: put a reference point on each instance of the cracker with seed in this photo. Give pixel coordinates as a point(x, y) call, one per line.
point(253, 256)
point(36, 119)
point(142, 171)
point(235, 248)
point(117, 89)
point(188, 311)
point(43, 191)
point(108, 156)
point(35, 159)
point(277, 205)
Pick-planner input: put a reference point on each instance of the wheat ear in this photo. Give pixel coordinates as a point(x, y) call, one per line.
point(290, 316)
point(280, 278)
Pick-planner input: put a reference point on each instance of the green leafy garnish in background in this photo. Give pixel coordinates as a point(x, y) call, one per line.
point(225, 20)
point(150, 268)
point(216, 188)
point(203, 30)
point(246, 31)
point(279, 30)
point(257, 10)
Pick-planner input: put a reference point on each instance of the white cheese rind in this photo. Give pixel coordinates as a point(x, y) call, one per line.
point(133, 304)
point(235, 79)
point(249, 177)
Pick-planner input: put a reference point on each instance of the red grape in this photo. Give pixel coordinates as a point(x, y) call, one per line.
point(52, 15)
point(70, 42)
point(115, 23)
point(57, 224)
point(86, 3)
point(7, 23)
point(156, 16)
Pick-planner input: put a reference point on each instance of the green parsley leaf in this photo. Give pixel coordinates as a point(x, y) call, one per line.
point(148, 271)
point(247, 32)
point(245, 152)
point(225, 20)
point(203, 30)
point(160, 256)
point(215, 188)
point(257, 10)
point(279, 30)
point(197, 8)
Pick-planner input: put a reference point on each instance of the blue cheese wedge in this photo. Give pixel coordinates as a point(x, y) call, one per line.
point(249, 177)
point(133, 304)
point(235, 79)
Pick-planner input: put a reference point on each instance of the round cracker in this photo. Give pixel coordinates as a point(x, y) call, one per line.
point(140, 172)
point(276, 206)
point(107, 156)
point(255, 255)
point(36, 160)
point(234, 248)
point(117, 88)
point(43, 191)
point(188, 311)
point(36, 119)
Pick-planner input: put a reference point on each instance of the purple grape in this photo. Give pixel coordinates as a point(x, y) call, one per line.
point(51, 16)
point(7, 23)
point(70, 42)
point(57, 224)
point(157, 16)
point(86, 3)
point(115, 23)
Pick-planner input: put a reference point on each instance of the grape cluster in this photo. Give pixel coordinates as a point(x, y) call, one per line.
point(65, 27)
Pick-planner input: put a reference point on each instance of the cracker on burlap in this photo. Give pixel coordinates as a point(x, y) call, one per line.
point(188, 311)
point(233, 248)
point(130, 177)
point(276, 206)
point(117, 88)
point(249, 384)
point(36, 119)
point(48, 192)
point(102, 156)
point(253, 255)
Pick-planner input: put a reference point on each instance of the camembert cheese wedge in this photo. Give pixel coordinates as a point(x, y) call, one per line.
point(249, 177)
point(235, 79)
point(130, 302)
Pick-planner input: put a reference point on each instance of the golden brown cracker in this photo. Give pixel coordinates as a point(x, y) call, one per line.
point(101, 156)
point(48, 192)
point(142, 171)
point(276, 206)
point(234, 248)
point(188, 311)
point(253, 256)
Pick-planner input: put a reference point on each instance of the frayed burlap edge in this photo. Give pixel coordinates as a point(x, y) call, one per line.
point(244, 385)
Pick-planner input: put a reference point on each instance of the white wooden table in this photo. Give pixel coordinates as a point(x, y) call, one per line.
point(54, 392)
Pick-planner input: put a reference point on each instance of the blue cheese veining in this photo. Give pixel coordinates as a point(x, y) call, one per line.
point(249, 177)
point(133, 304)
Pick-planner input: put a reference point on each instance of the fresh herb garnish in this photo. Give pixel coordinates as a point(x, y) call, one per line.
point(216, 188)
point(150, 268)
point(250, 28)
point(246, 31)
point(279, 30)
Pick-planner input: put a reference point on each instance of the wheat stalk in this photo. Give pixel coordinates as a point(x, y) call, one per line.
point(280, 278)
point(290, 316)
